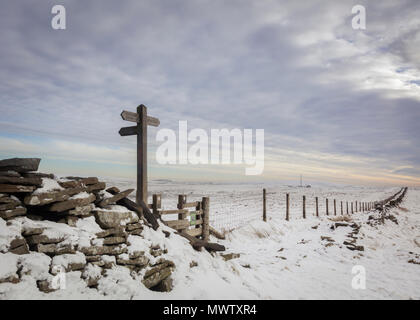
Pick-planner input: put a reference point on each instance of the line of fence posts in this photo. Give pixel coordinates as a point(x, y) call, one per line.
point(356, 206)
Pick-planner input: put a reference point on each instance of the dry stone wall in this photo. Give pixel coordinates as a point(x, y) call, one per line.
point(75, 223)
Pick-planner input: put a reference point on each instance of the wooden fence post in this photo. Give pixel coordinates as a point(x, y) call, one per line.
point(304, 207)
point(206, 218)
point(182, 199)
point(157, 204)
point(326, 206)
point(335, 208)
point(352, 208)
point(341, 207)
point(316, 205)
point(347, 207)
point(264, 206)
point(287, 206)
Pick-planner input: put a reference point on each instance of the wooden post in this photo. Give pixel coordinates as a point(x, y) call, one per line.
point(264, 206)
point(157, 204)
point(142, 154)
point(347, 207)
point(304, 207)
point(287, 206)
point(206, 218)
point(316, 206)
point(335, 208)
point(326, 206)
point(352, 208)
point(341, 207)
point(182, 199)
point(355, 210)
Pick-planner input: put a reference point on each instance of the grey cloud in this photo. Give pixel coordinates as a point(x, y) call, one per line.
point(236, 63)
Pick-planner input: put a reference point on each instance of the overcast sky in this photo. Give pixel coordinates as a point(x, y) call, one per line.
point(337, 104)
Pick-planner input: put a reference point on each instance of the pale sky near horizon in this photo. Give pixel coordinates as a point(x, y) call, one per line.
point(338, 105)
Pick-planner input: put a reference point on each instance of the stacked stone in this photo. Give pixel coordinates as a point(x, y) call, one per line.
point(22, 192)
point(16, 178)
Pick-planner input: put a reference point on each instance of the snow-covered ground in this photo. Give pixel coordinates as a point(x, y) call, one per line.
point(278, 259)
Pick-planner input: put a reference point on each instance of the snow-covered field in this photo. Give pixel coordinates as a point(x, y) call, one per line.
point(288, 260)
point(278, 259)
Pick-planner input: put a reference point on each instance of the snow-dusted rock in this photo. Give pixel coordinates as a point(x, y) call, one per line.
point(114, 216)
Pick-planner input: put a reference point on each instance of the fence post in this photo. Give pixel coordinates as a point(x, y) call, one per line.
point(335, 208)
point(352, 208)
point(304, 207)
point(326, 206)
point(157, 204)
point(341, 207)
point(287, 206)
point(347, 207)
point(316, 205)
point(182, 199)
point(206, 218)
point(264, 206)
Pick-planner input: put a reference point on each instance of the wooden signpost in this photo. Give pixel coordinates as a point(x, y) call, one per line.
point(142, 121)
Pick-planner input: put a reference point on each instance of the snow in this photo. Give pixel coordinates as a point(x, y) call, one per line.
point(48, 185)
point(7, 234)
point(8, 265)
point(35, 265)
point(278, 259)
point(88, 224)
point(81, 195)
point(116, 208)
point(66, 259)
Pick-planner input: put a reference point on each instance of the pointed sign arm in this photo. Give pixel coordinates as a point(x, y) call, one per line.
point(128, 131)
point(134, 117)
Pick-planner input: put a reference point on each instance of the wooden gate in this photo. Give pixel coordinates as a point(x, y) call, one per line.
point(192, 217)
